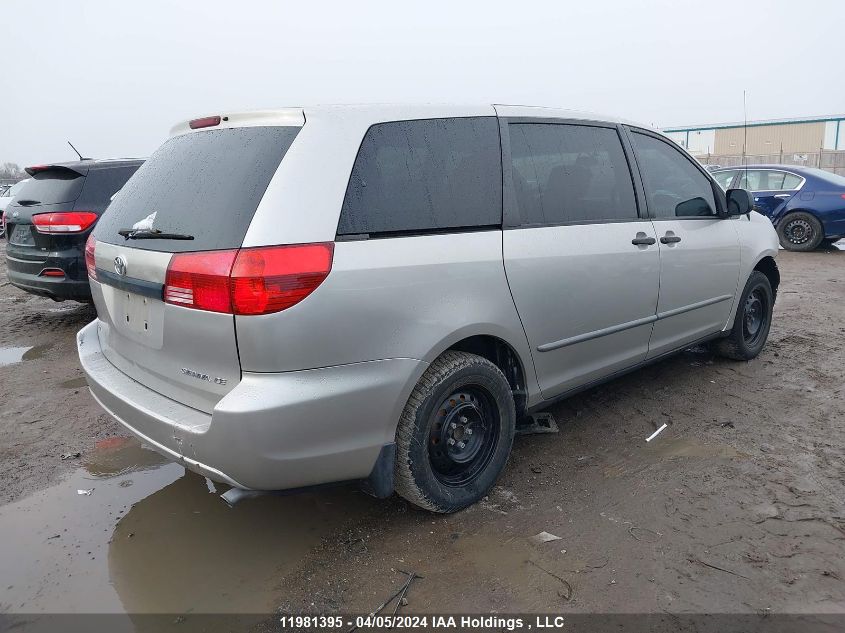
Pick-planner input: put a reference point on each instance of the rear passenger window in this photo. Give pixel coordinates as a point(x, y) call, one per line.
point(425, 175)
point(673, 185)
point(791, 181)
point(724, 178)
point(768, 180)
point(570, 173)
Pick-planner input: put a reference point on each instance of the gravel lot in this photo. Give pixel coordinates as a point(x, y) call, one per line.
point(739, 506)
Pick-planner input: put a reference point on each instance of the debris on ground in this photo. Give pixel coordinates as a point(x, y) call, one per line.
point(399, 596)
point(656, 433)
point(716, 567)
point(75, 455)
point(567, 588)
point(544, 537)
point(87, 493)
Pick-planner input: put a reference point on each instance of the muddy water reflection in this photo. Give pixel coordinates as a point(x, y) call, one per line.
point(12, 355)
point(151, 538)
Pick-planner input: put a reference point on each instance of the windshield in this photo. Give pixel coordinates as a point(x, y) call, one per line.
point(206, 185)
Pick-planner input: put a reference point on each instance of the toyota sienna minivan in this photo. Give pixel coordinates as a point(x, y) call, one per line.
point(383, 293)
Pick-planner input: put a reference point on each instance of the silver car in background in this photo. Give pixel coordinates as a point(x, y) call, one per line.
point(382, 293)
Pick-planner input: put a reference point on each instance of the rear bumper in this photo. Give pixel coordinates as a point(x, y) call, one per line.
point(834, 229)
point(26, 275)
point(272, 431)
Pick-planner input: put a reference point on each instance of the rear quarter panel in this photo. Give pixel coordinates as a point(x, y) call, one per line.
point(410, 297)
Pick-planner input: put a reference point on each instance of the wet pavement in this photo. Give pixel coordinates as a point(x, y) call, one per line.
point(130, 532)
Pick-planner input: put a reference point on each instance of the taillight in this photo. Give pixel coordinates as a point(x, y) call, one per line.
point(200, 280)
point(266, 280)
point(247, 281)
point(64, 222)
point(90, 263)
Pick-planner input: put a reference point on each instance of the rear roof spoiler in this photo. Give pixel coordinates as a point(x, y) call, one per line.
point(37, 169)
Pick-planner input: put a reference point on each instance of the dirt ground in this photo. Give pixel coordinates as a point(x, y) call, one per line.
point(737, 507)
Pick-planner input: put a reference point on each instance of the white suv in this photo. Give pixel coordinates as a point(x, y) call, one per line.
point(382, 293)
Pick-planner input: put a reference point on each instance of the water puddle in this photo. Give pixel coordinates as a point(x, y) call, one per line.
point(132, 533)
point(12, 355)
point(74, 383)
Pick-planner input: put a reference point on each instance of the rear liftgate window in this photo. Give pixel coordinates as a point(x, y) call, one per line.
point(52, 186)
point(425, 176)
point(204, 184)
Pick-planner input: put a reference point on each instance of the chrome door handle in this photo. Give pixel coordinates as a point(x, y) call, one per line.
point(669, 239)
point(783, 195)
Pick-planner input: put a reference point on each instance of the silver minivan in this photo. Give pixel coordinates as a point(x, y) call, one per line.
point(383, 294)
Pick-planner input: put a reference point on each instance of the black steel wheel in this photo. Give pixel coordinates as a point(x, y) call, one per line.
point(463, 437)
point(455, 434)
point(754, 315)
point(752, 322)
point(800, 231)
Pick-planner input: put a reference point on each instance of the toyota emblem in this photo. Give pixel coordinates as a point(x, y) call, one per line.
point(120, 265)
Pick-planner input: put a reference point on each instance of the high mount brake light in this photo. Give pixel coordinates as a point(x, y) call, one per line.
point(64, 222)
point(248, 281)
point(208, 121)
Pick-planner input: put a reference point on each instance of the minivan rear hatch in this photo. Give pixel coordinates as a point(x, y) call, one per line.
point(197, 193)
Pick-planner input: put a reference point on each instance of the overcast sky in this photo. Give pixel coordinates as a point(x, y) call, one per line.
point(114, 75)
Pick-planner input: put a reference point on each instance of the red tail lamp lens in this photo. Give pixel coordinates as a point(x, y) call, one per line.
point(200, 280)
point(64, 222)
point(271, 279)
point(248, 281)
point(90, 263)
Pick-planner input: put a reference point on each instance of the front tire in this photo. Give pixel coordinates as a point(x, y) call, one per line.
point(752, 322)
point(455, 433)
point(800, 231)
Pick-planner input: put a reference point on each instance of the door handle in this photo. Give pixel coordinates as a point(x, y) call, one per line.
point(643, 241)
point(783, 195)
point(670, 239)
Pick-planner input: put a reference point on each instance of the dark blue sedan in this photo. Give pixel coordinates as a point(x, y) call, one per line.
point(806, 205)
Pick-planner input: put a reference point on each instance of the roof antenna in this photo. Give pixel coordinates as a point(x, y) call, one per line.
point(81, 157)
point(745, 136)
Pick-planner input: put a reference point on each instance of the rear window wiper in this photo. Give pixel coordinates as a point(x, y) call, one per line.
point(152, 234)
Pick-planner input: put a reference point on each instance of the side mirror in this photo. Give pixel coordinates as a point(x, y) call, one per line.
point(740, 202)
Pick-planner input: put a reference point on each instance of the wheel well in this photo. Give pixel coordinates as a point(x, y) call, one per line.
point(791, 211)
point(768, 267)
point(505, 358)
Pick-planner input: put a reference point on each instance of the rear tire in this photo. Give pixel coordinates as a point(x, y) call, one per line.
point(752, 322)
point(800, 231)
point(455, 433)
